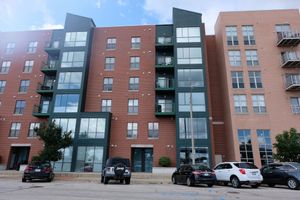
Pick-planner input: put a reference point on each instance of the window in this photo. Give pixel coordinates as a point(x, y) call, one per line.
point(134, 62)
point(190, 78)
point(199, 128)
point(237, 79)
point(164, 40)
point(234, 58)
point(20, 105)
point(66, 103)
point(32, 126)
point(72, 59)
point(69, 80)
point(24, 85)
point(2, 86)
point(283, 28)
point(258, 101)
point(248, 35)
point(28, 66)
point(5, 67)
point(75, 39)
point(135, 42)
point(91, 128)
point(15, 129)
point(67, 124)
point(10, 47)
point(64, 165)
point(265, 146)
point(198, 101)
point(255, 79)
point(89, 159)
point(295, 105)
point(134, 83)
point(188, 35)
point(111, 43)
point(106, 105)
point(133, 106)
point(201, 155)
point(132, 130)
point(153, 130)
point(110, 63)
point(240, 103)
point(107, 84)
point(191, 55)
point(251, 57)
point(245, 143)
point(32, 47)
point(165, 105)
point(231, 35)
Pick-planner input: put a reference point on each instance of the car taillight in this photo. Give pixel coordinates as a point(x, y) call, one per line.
point(28, 168)
point(47, 170)
point(197, 173)
point(242, 171)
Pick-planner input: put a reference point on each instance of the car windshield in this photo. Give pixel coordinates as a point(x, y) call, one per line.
point(245, 165)
point(201, 167)
point(41, 164)
point(294, 164)
point(115, 161)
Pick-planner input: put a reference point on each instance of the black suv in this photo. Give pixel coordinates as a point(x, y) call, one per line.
point(116, 169)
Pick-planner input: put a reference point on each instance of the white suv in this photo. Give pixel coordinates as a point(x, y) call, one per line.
point(238, 173)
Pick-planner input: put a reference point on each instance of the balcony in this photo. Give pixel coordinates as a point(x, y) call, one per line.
point(290, 59)
point(49, 68)
point(52, 48)
point(164, 84)
point(288, 39)
point(164, 62)
point(295, 109)
point(45, 89)
point(293, 82)
point(164, 109)
point(164, 43)
point(41, 111)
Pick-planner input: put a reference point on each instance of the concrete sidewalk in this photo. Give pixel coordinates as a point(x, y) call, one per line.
point(142, 178)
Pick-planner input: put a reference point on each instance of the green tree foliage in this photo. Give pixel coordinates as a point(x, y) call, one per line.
point(54, 140)
point(288, 146)
point(164, 161)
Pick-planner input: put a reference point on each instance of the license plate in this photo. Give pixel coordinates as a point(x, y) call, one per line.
point(254, 173)
point(206, 174)
point(37, 170)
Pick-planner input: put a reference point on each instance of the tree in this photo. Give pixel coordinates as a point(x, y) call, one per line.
point(54, 140)
point(288, 146)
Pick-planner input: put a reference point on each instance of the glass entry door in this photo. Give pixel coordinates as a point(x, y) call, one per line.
point(142, 159)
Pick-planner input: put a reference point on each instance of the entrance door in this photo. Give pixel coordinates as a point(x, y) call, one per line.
point(142, 159)
point(18, 156)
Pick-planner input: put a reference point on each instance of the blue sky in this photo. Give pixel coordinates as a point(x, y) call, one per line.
point(18, 15)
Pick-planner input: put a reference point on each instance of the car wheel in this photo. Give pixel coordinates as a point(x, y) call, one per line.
point(23, 180)
point(235, 182)
point(127, 181)
point(271, 184)
point(174, 180)
point(210, 185)
point(101, 180)
point(105, 180)
point(292, 183)
point(122, 181)
point(189, 181)
point(256, 185)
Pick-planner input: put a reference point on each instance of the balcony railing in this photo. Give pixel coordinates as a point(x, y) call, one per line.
point(162, 41)
point(49, 68)
point(52, 48)
point(164, 61)
point(288, 39)
point(290, 59)
point(45, 88)
point(164, 83)
point(295, 109)
point(40, 111)
point(292, 82)
point(164, 109)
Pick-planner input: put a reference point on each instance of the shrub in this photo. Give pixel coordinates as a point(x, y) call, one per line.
point(164, 161)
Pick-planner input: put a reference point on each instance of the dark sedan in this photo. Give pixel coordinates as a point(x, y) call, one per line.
point(286, 173)
point(194, 174)
point(38, 170)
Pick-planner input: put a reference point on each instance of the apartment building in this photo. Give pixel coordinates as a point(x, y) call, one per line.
point(149, 91)
point(131, 91)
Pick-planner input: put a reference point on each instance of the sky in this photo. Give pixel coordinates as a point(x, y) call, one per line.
point(20, 15)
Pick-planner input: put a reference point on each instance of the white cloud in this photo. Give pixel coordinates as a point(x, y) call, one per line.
point(99, 3)
point(47, 27)
point(122, 15)
point(162, 10)
point(122, 2)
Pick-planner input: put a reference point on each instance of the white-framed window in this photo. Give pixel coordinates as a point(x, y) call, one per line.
point(255, 79)
point(2, 86)
point(20, 106)
point(10, 48)
point(72, 59)
point(133, 106)
point(136, 42)
point(134, 83)
point(231, 35)
point(153, 130)
point(75, 39)
point(258, 102)
point(15, 129)
point(248, 34)
point(32, 126)
point(4, 69)
point(110, 63)
point(28, 66)
point(32, 46)
point(237, 79)
point(106, 105)
point(252, 58)
point(24, 85)
point(196, 98)
point(235, 58)
point(192, 55)
point(240, 103)
point(188, 35)
point(246, 153)
point(295, 105)
point(134, 62)
point(132, 130)
point(108, 84)
point(111, 43)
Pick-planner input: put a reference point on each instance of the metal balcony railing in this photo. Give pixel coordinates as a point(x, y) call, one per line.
point(164, 83)
point(45, 87)
point(293, 82)
point(165, 108)
point(164, 61)
point(290, 59)
point(164, 41)
point(288, 38)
